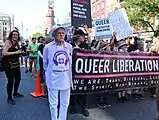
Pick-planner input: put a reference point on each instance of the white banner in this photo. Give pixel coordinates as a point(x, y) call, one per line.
point(120, 24)
point(103, 29)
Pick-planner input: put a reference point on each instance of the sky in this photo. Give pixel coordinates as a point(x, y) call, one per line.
point(30, 12)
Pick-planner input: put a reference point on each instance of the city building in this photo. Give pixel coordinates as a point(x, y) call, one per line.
point(1, 33)
point(49, 17)
point(99, 9)
point(5, 27)
point(113, 4)
point(12, 22)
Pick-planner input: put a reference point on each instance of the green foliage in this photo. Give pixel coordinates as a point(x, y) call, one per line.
point(36, 35)
point(140, 12)
point(46, 35)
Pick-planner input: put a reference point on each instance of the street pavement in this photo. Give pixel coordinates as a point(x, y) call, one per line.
point(30, 108)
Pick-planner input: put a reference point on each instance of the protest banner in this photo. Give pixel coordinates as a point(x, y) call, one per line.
point(103, 29)
point(95, 71)
point(120, 24)
point(80, 13)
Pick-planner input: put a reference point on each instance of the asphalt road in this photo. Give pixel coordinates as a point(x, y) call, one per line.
point(29, 108)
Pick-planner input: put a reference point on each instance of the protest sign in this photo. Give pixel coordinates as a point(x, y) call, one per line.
point(80, 13)
point(120, 24)
point(98, 72)
point(102, 29)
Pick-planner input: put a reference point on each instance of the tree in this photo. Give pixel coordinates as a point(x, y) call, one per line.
point(140, 12)
point(36, 35)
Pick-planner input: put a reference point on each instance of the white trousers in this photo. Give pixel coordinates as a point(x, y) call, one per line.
point(64, 103)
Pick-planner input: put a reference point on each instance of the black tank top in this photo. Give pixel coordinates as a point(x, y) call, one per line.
point(12, 58)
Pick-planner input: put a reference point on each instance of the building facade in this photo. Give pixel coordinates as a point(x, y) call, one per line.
point(49, 17)
point(5, 27)
point(99, 9)
point(113, 4)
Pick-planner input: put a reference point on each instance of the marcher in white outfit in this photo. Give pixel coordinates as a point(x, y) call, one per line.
point(57, 60)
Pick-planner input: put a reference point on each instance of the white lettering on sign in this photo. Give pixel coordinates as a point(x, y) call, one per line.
point(100, 66)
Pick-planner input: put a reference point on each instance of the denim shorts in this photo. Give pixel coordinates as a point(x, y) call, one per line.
point(26, 58)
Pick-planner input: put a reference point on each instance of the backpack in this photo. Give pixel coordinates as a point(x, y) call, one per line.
point(1, 61)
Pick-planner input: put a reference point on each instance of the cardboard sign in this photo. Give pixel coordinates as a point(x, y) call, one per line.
point(103, 29)
point(120, 24)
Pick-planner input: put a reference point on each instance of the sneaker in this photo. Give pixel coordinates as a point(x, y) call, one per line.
point(125, 98)
point(153, 95)
point(120, 99)
point(135, 96)
point(101, 105)
point(45, 97)
point(18, 95)
point(11, 101)
point(26, 71)
point(141, 96)
point(85, 112)
point(108, 105)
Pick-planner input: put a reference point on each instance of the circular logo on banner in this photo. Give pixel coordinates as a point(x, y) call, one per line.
point(61, 59)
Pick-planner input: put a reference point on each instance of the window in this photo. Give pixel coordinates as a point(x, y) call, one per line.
point(98, 17)
point(103, 16)
point(4, 23)
point(103, 5)
point(94, 9)
point(98, 7)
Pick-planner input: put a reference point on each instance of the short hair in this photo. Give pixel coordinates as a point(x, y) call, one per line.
point(33, 38)
point(40, 38)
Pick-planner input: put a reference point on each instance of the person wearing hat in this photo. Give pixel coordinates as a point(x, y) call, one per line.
point(138, 93)
point(57, 63)
point(85, 43)
point(122, 50)
point(78, 39)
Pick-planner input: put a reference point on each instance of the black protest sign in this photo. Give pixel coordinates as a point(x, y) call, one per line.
point(81, 13)
point(96, 72)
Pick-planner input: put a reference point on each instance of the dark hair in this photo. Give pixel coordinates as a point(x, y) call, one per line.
point(136, 39)
point(93, 43)
point(40, 38)
point(11, 33)
point(10, 38)
point(33, 38)
point(75, 37)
